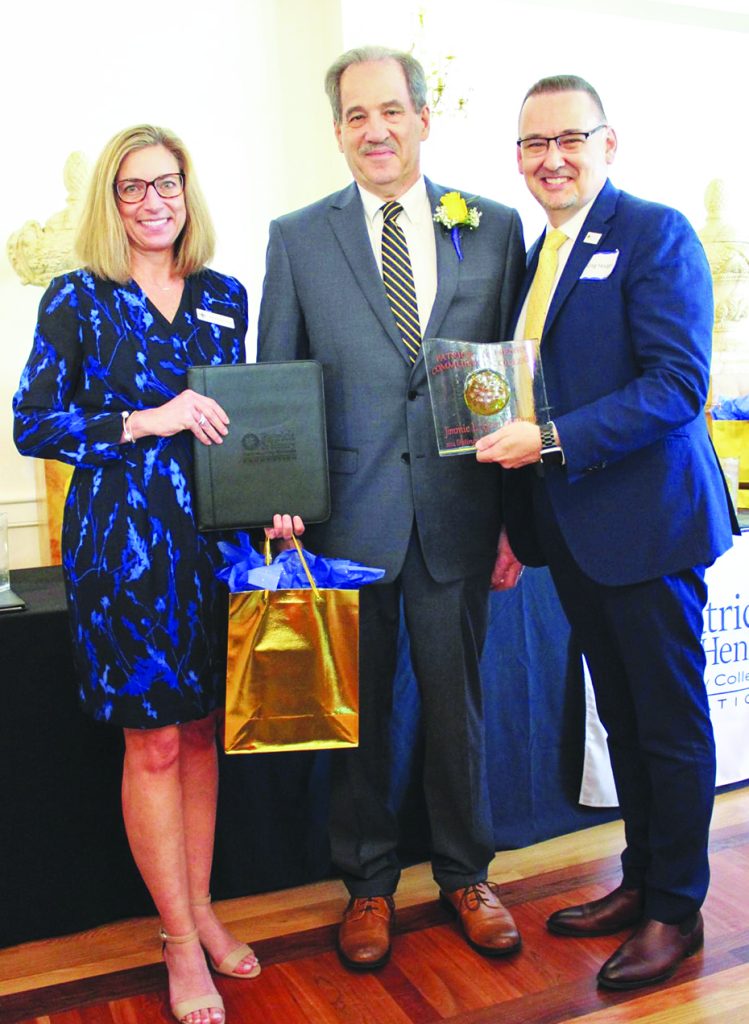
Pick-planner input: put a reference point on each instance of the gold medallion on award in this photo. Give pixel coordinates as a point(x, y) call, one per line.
point(477, 388)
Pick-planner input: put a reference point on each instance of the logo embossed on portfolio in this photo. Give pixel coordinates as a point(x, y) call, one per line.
point(274, 444)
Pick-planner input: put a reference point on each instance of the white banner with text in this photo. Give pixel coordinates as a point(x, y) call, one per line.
point(725, 638)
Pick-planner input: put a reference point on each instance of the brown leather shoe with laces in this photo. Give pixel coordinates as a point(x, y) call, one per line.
point(364, 932)
point(487, 925)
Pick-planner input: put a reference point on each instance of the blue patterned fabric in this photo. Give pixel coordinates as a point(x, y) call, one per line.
point(148, 616)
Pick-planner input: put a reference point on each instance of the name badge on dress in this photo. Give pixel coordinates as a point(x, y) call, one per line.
point(600, 266)
point(214, 318)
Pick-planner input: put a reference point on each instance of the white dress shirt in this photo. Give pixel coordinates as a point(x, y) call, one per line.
point(572, 229)
point(418, 227)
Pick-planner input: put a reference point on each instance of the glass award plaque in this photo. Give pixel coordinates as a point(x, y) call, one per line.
point(476, 388)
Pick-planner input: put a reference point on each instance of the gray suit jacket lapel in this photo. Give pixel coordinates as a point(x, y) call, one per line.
point(347, 220)
point(448, 268)
point(346, 216)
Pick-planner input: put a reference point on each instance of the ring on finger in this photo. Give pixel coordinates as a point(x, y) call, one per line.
point(201, 420)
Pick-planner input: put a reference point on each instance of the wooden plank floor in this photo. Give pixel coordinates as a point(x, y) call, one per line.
point(113, 974)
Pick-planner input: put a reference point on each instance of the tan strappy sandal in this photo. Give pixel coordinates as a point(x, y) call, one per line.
point(210, 1001)
point(233, 959)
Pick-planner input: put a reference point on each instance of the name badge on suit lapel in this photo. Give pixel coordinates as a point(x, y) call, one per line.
point(600, 266)
point(214, 318)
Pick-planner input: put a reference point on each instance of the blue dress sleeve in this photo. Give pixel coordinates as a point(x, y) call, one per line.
point(48, 422)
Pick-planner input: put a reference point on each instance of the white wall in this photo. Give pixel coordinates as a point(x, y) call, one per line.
point(672, 77)
point(239, 80)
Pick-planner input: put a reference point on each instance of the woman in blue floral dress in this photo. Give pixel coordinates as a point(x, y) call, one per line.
point(105, 390)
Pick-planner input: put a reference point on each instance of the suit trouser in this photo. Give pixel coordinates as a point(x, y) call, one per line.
point(642, 645)
point(446, 625)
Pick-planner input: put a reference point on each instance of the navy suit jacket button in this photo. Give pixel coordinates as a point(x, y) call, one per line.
point(412, 395)
point(405, 457)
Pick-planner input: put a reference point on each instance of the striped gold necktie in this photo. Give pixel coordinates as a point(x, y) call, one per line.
point(540, 293)
point(398, 279)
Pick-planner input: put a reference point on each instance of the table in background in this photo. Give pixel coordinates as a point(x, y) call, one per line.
point(64, 855)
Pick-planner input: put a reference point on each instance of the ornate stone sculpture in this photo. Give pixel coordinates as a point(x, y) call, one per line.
point(729, 264)
point(37, 254)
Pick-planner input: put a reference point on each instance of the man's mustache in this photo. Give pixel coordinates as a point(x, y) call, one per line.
point(370, 147)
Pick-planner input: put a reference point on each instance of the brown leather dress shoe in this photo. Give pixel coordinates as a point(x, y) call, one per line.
point(364, 932)
point(487, 925)
point(652, 953)
point(621, 909)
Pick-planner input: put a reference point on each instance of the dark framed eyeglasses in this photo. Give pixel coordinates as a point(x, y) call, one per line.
point(133, 190)
point(567, 142)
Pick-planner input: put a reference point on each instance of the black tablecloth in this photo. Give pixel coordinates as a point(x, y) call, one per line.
point(64, 855)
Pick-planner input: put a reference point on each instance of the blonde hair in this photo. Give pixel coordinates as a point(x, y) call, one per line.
point(101, 242)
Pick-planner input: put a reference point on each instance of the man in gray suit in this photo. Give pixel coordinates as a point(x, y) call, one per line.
point(347, 287)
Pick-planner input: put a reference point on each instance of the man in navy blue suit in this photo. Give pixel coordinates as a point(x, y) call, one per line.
point(622, 496)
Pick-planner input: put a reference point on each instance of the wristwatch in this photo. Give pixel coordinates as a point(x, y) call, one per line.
point(551, 453)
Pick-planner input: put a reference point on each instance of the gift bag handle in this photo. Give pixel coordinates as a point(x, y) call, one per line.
point(302, 559)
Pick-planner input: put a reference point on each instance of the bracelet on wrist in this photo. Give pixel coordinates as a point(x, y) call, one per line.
point(126, 431)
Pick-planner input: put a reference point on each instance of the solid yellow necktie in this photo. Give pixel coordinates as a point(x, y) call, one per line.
point(540, 293)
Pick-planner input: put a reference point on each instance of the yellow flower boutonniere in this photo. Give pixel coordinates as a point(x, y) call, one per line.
point(454, 213)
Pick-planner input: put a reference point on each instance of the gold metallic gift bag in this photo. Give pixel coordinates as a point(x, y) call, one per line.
point(292, 676)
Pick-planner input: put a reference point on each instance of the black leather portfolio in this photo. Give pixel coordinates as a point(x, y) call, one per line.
point(275, 456)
